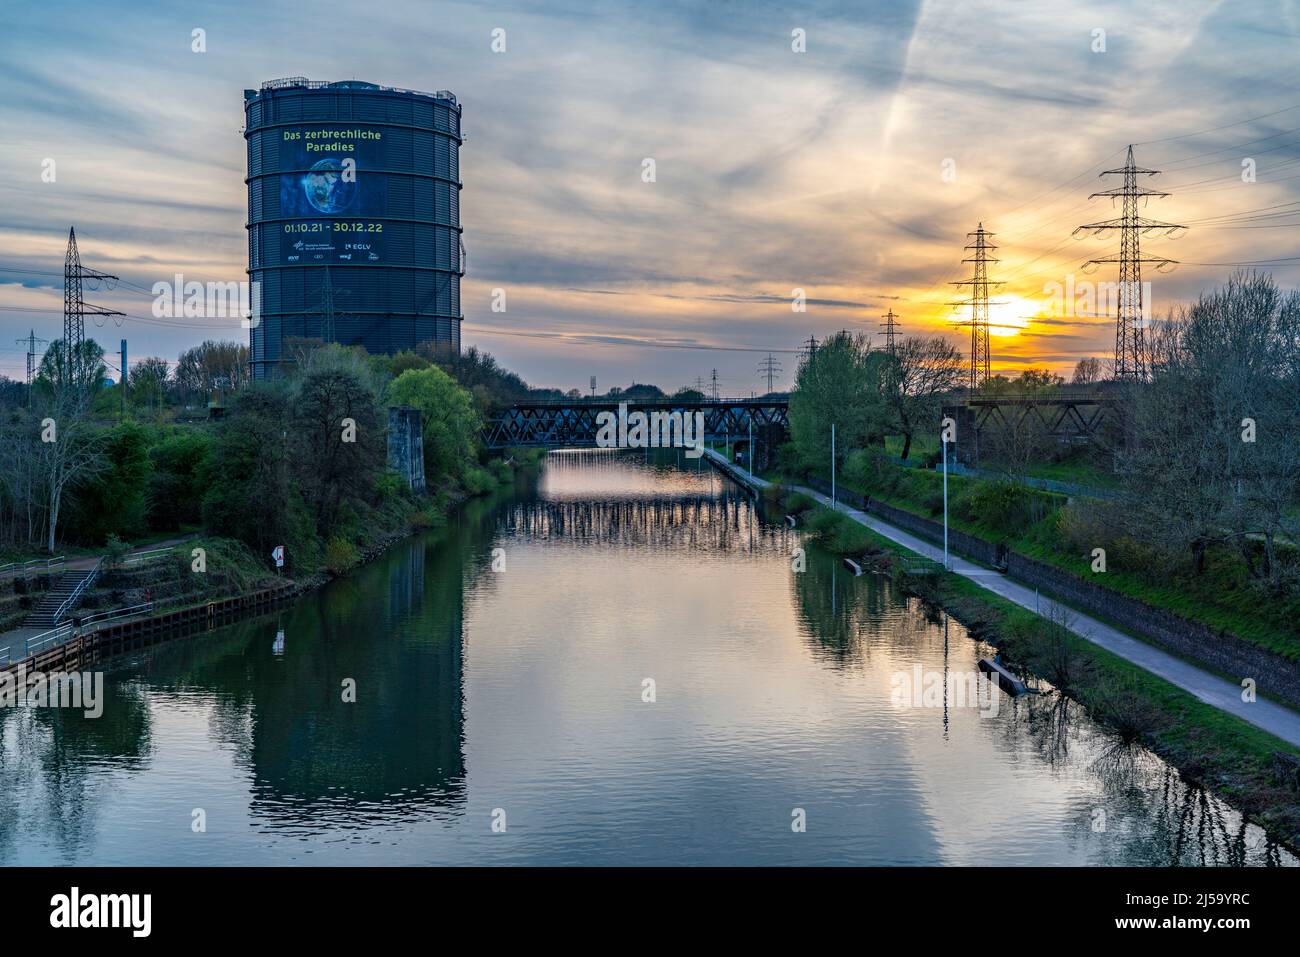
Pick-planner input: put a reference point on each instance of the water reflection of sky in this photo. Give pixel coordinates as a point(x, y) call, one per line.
point(520, 690)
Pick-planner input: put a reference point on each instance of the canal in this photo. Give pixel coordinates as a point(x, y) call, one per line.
point(622, 661)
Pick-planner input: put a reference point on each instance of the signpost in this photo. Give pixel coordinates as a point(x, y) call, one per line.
point(278, 554)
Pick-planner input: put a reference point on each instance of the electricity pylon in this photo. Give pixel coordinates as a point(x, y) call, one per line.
point(979, 304)
point(890, 327)
point(1130, 317)
point(75, 310)
point(769, 367)
point(31, 342)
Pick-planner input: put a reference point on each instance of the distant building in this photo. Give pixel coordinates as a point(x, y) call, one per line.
point(354, 229)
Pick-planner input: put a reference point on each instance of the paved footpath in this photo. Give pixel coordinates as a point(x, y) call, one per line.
point(1274, 718)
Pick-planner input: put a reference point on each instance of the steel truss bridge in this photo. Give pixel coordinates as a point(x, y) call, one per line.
point(571, 423)
point(1068, 416)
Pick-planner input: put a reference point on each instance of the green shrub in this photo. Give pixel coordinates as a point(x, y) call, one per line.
point(340, 555)
point(478, 480)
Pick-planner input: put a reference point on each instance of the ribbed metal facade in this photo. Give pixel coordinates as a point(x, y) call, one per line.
point(354, 198)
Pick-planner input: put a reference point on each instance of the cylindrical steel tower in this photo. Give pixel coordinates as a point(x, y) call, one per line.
point(353, 217)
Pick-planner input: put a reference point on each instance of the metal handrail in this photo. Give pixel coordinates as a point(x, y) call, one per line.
point(15, 568)
point(135, 557)
point(55, 635)
point(71, 601)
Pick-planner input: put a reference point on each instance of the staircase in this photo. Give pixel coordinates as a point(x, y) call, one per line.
point(68, 589)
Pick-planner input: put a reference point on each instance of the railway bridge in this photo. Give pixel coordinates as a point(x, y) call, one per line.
point(572, 423)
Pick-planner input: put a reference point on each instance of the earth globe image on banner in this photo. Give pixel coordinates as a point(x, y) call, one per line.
point(326, 189)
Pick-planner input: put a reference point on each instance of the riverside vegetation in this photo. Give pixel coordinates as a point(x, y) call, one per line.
point(1201, 516)
point(298, 461)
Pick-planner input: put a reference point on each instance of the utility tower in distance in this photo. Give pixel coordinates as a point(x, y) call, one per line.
point(714, 386)
point(979, 304)
point(1132, 312)
point(31, 342)
point(769, 367)
point(890, 328)
point(807, 351)
point(75, 310)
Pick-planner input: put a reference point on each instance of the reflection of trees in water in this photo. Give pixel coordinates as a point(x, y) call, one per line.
point(723, 523)
point(1047, 720)
point(840, 612)
point(316, 762)
point(51, 761)
point(1152, 815)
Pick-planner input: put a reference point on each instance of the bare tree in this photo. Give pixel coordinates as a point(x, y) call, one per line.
point(70, 449)
point(1088, 371)
point(1213, 456)
point(924, 370)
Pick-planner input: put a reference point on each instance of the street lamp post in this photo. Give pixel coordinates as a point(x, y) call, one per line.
point(833, 505)
point(943, 441)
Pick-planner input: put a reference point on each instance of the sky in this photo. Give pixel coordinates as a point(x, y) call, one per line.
point(851, 170)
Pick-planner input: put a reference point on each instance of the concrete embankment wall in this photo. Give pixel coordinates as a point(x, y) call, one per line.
point(1221, 651)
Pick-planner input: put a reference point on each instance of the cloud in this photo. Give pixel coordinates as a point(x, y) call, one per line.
point(822, 170)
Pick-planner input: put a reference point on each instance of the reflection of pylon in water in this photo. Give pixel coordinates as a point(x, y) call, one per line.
point(1130, 317)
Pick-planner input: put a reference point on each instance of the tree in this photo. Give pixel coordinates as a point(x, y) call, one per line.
point(178, 479)
point(252, 496)
point(340, 442)
point(642, 392)
point(923, 371)
point(1088, 371)
point(1037, 382)
point(840, 383)
point(1213, 456)
point(472, 369)
point(211, 365)
point(113, 500)
point(69, 450)
point(449, 421)
point(88, 367)
point(147, 384)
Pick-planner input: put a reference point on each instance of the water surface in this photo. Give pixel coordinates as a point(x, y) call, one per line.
point(501, 667)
